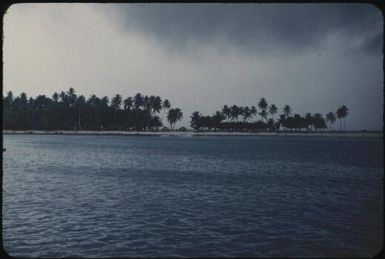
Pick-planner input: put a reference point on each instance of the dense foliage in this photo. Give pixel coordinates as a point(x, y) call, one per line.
point(239, 118)
point(68, 111)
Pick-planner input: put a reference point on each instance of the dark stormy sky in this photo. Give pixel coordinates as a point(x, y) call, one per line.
point(313, 57)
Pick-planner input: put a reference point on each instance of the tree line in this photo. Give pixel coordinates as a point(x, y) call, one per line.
point(69, 111)
point(245, 118)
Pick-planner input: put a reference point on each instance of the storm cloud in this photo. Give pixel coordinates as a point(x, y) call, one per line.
point(263, 28)
point(314, 57)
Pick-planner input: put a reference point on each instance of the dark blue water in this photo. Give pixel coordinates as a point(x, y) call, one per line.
point(104, 196)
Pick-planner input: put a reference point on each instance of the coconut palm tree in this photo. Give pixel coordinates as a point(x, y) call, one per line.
point(138, 101)
point(216, 119)
point(270, 125)
point(147, 110)
point(246, 113)
point(263, 114)
point(173, 116)
point(156, 104)
point(262, 104)
point(116, 102)
point(128, 103)
point(196, 120)
point(331, 118)
point(166, 105)
point(105, 101)
point(63, 97)
point(9, 97)
point(104, 112)
point(226, 111)
point(55, 97)
point(287, 110)
point(273, 110)
point(234, 112)
point(309, 120)
point(339, 116)
point(319, 121)
point(342, 112)
point(71, 96)
point(80, 106)
point(253, 111)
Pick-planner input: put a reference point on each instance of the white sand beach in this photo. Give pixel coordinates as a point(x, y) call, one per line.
point(193, 133)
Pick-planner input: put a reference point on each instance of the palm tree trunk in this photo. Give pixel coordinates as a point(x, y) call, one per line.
point(136, 120)
point(79, 122)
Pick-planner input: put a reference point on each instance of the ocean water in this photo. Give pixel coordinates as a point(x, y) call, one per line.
point(153, 196)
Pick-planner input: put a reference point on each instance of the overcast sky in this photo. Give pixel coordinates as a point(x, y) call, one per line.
point(314, 57)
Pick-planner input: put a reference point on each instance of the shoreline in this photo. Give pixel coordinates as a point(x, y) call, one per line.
point(192, 133)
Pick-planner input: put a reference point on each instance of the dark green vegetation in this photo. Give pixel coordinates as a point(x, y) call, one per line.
point(68, 111)
point(239, 118)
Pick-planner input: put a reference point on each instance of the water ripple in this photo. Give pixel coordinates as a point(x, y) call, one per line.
point(117, 196)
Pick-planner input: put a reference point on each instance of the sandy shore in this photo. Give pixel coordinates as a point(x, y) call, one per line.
point(192, 133)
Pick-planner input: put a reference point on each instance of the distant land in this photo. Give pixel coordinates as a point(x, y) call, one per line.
point(68, 111)
point(198, 133)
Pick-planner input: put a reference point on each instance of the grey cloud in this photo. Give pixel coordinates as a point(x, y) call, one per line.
point(373, 43)
point(253, 27)
point(313, 57)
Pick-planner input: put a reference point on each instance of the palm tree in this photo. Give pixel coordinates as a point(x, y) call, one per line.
point(105, 101)
point(80, 104)
point(127, 103)
point(234, 112)
point(309, 120)
point(196, 120)
point(216, 119)
point(138, 102)
point(345, 112)
point(273, 110)
point(71, 91)
point(246, 113)
point(147, 109)
point(253, 111)
point(166, 105)
point(262, 104)
point(263, 114)
point(226, 111)
point(156, 103)
point(270, 125)
point(331, 118)
point(71, 96)
point(63, 97)
point(319, 121)
point(9, 97)
point(104, 111)
point(55, 97)
point(287, 110)
point(173, 116)
point(116, 102)
point(342, 113)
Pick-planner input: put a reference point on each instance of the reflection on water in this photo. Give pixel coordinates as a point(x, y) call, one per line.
point(103, 196)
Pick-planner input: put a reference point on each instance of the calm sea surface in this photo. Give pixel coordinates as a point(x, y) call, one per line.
point(116, 196)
